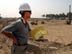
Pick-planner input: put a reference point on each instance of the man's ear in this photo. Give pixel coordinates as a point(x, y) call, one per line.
point(21, 13)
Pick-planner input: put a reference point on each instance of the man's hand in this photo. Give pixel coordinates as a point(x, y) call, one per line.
point(41, 37)
point(15, 41)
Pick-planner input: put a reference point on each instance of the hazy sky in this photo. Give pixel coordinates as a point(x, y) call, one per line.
point(10, 8)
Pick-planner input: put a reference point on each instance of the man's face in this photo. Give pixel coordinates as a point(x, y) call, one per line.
point(27, 15)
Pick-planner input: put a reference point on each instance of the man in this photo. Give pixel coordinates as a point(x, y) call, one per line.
point(19, 32)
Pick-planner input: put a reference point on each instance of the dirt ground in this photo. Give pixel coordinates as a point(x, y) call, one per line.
point(58, 32)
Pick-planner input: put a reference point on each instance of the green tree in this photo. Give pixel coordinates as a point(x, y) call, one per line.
point(43, 15)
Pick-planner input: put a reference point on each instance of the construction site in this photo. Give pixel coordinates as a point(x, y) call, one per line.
point(58, 39)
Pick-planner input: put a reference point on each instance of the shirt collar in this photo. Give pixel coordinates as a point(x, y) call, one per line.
point(23, 20)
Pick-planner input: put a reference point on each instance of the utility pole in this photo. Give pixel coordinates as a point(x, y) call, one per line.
point(69, 8)
point(69, 16)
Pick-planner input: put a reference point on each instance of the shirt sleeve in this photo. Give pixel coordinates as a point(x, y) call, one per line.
point(10, 28)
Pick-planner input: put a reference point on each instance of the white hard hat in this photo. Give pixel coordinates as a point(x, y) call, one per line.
point(24, 7)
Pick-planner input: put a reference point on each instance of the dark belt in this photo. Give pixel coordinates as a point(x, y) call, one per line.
point(20, 44)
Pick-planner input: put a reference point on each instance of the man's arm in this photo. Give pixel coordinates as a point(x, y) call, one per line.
point(9, 35)
point(7, 31)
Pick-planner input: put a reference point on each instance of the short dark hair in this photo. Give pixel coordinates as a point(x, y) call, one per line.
point(22, 13)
